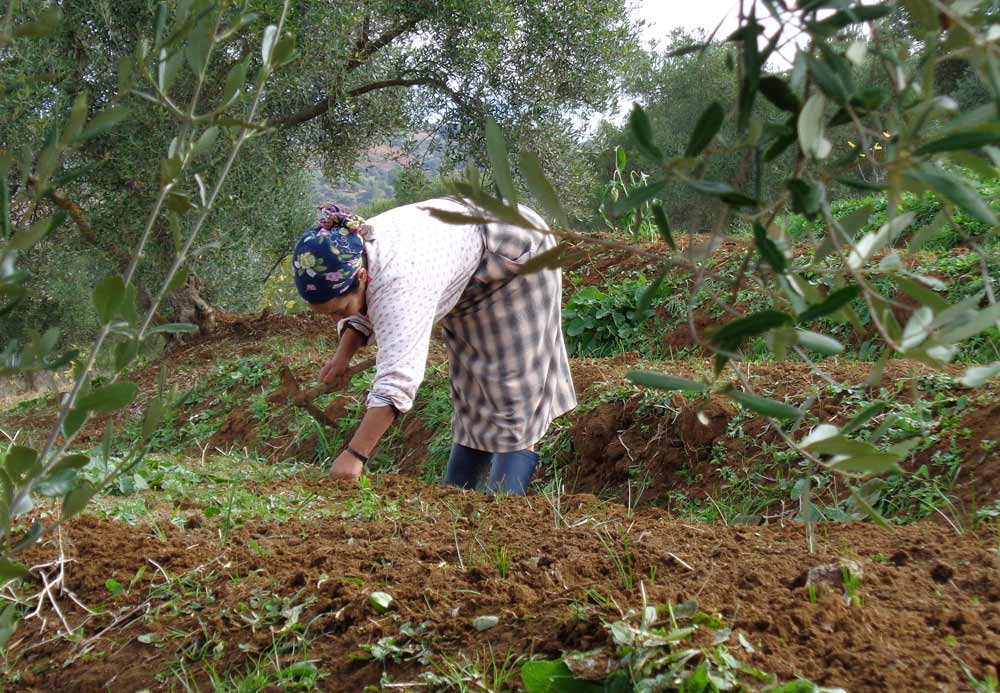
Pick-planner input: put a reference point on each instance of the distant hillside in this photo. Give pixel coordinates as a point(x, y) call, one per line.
point(374, 176)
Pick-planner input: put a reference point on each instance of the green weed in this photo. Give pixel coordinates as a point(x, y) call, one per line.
point(368, 505)
point(407, 646)
point(652, 646)
point(553, 492)
point(812, 593)
point(620, 552)
point(852, 587)
point(604, 322)
point(485, 672)
point(987, 684)
point(433, 408)
point(280, 613)
point(501, 559)
point(272, 670)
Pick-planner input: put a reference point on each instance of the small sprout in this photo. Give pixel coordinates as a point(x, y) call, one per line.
point(114, 587)
point(502, 559)
point(852, 583)
point(485, 623)
point(380, 601)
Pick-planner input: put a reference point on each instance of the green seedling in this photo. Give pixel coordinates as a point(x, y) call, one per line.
point(501, 558)
point(813, 593)
point(623, 559)
point(852, 585)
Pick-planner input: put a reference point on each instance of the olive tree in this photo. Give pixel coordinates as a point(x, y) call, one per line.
point(193, 38)
point(364, 73)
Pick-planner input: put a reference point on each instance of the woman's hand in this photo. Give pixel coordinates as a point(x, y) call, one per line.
point(336, 372)
point(375, 423)
point(346, 467)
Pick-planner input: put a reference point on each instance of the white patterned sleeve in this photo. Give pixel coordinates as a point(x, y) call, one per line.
point(403, 316)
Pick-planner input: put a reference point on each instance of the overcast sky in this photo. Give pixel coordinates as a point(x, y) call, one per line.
point(662, 16)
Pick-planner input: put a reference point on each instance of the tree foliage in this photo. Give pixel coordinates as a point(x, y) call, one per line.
point(912, 142)
point(186, 192)
point(363, 73)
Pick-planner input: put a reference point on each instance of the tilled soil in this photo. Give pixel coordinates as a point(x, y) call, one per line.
point(931, 598)
point(615, 439)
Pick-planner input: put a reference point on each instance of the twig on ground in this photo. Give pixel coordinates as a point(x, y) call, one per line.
point(53, 586)
point(461, 564)
point(681, 561)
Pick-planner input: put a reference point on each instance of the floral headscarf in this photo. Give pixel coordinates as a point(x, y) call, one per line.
point(328, 256)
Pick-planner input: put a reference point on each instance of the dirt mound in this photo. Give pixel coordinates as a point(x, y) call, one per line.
point(198, 604)
point(625, 447)
point(256, 325)
point(186, 365)
point(639, 456)
point(698, 427)
point(596, 264)
point(680, 337)
point(978, 481)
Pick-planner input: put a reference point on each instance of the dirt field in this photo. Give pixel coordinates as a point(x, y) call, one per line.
point(183, 593)
point(930, 599)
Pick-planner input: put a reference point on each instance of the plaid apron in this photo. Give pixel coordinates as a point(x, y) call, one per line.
point(509, 370)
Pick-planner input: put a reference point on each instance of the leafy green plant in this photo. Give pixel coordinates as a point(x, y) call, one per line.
point(603, 322)
point(637, 222)
point(407, 646)
point(368, 504)
point(653, 649)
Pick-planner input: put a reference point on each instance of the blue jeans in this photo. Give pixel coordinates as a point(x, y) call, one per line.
point(509, 472)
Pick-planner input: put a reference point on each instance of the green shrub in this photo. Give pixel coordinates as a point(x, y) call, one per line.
point(602, 322)
point(926, 207)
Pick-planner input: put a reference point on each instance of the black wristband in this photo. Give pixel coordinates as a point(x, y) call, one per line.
point(363, 458)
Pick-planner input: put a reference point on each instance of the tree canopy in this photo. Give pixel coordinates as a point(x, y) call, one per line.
point(360, 73)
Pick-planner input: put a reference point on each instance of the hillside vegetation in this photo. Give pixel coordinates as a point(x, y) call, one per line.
point(779, 298)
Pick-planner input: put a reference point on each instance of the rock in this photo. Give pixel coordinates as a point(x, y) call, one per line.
point(595, 665)
point(832, 574)
point(485, 623)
